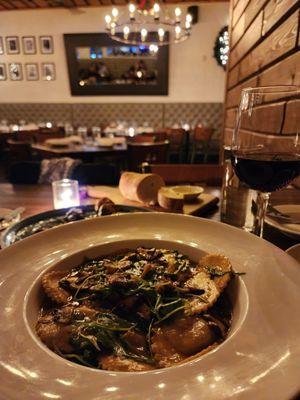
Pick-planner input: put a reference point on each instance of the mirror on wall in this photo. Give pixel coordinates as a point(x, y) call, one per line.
point(100, 66)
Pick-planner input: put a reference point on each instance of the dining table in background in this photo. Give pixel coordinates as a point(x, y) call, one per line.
point(82, 151)
point(38, 198)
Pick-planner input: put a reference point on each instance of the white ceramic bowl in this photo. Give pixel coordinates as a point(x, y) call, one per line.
point(259, 359)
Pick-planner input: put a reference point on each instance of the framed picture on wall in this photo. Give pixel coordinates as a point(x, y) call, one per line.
point(15, 72)
point(3, 75)
point(101, 66)
point(12, 45)
point(46, 45)
point(48, 71)
point(32, 71)
point(29, 45)
point(1, 46)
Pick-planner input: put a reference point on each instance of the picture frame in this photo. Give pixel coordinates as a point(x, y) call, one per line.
point(29, 44)
point(15, 72)
point(48, 71)
point(101, 42)
point(32, 71)
point(1, 45)
point(46, 45)
point(12, 45)
point(3, 74)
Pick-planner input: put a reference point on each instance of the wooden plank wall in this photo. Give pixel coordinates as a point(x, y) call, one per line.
point(264, 50)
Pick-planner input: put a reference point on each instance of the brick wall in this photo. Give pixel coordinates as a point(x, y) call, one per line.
point(264, 43)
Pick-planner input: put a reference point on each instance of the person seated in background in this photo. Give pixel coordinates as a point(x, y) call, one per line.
point(95, 73)
point(137, 72)
point(104, 72)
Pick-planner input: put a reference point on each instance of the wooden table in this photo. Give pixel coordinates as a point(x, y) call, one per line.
point(84, 152)
point(38, 198)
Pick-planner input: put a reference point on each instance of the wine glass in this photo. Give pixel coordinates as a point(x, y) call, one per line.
point(265, 149)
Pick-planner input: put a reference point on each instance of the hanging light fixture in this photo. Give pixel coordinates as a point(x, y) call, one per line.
point(148, 23)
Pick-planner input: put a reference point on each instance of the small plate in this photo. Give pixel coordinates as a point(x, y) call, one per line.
point(188, 192)
point(4, 224)
point(8, 237)
point(290, 229)
point(294, 251)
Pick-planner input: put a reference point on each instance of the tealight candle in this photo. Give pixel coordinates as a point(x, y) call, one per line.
point(65, 193)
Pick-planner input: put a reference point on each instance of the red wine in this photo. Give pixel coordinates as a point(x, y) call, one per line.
point(266, 172)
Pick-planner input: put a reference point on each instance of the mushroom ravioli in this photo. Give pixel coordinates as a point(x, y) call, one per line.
point(136, 310)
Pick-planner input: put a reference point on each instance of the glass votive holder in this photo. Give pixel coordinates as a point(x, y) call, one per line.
point(65, 193)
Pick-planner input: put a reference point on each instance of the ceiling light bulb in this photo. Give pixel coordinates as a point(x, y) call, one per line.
point(161, 33)
point(156, 7)
point(144, 34)
point(107, 19)
point(115, 13)
point(187, 25)
point(113, 28)
point(153, 48)
point(177, 31)
point(177, 11)
point(188, 18)
point(131, 8)
point(126, 31)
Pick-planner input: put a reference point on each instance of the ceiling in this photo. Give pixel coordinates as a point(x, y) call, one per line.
point(6, 5)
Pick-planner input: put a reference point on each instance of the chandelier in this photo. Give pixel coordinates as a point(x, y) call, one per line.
point(148, 23)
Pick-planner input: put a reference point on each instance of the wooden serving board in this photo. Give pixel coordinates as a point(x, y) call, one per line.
point(202, 205)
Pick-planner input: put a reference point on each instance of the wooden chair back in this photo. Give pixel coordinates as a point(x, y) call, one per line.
point(44, 134)
point(160, 135)
point(202, 133)
point(176, 136)
point(210, 174)
point(152, 153)
point(25, 136)
point(144, 139)
point(20, 151)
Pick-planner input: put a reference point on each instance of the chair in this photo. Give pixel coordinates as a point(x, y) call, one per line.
point(25, 136)
point(144, 139)
point(200, 143)
point(96, 174)
point(18, 150)
point(172, 174)
point(44, 134)
point(26, 172)
point(152, 153)
point(160, 135)
point(178, 139)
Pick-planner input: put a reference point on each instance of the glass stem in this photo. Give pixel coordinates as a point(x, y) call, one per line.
point(262, 205)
